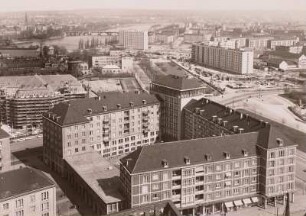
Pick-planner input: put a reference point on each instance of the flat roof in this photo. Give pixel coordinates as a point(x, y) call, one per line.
point(99, 174)
point(21, 181)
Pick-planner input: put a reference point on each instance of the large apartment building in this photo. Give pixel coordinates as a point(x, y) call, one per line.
point(27, 192)
point(174, 92)
point(5, 151)
point(258, 43)
point(24, 99)
point(214, 174)
point(112, 124)
point(137, 40)
point(238, 61)
point(282, 42)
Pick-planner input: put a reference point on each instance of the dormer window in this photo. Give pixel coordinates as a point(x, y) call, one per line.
point(165, 163)
point(227, 155)
point(208, 157)
point(280, 142)
point(245, 152)
point(187, 160)
point(89, 111)
point(119, 106)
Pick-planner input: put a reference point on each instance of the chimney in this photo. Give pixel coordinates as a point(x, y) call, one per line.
point(245, 152)
point(208, 157)
point(235, 128)
point(104, 108)
point(219, 121)
point(241, 115)
point(127, 161)
point(225, 123)
point(231, 111)
point(241, 130)
point(131, 104)
point(197, 110)
point(202, 112)
point(207, 101)
point(98, 98)
point(214, 118)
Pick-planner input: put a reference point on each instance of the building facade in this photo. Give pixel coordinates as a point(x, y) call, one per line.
point(5, 151)
point(175, 92)
point(281, 42)
point(215, 174)
point(258, 43)
point(238, 61)
point(27, 192)
point(137, 40)
point(24, 99)
point(112, 124)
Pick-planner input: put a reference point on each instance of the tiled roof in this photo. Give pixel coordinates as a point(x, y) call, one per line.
point(178, 82)
point(76, 111)
point(149, 158)
point(21, 181)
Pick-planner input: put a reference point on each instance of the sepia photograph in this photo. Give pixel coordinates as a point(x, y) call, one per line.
point(153, 107)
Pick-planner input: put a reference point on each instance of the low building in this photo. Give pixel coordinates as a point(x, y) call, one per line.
point(78, 68)
point(111, 124)
point(166, 208)
point(5, 151)
point(23, 99)
point(96, 180)
point(299, 59)
point(101, 61)
point(19, 52)
point(282, 65)
point(27, 192)
point(111, 69)
point(297, 49)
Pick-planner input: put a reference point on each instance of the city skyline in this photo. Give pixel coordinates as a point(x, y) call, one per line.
point(36, 5)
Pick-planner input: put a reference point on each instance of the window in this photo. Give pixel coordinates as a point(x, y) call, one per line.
point(281, 153)
point(6, 206)
point(20, 213)
point(272, 154)
point(32, 198)
point(19, 203)
point(155, 177)
point(45, 206)
point(146, 179)
point(45, 196)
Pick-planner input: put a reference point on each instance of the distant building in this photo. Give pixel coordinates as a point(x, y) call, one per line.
point(111, 124)
point(281, 42)
point(137, 40)
point(111, 69)
point(5, 151)
point(19, 52)
point(299, 59)
point(282, 64)
point(238, 61)
point(101, 61)
point(78, 68)
point(23, 99)
point(296, 49)
point(174, 93)
point(27, 192)
point(258, 43)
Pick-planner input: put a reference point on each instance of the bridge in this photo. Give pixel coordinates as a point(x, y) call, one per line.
point(91, 33)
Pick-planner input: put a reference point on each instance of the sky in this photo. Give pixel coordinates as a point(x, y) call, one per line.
point(30, 5)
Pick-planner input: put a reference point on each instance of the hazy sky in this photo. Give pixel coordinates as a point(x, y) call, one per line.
point(20, 5)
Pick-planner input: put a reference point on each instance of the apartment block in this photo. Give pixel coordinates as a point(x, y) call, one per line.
point(238, 61)
point(210, 175)
point(137, 40)
point(258, 43)
point(5, 151)
point(175, 92)
point(281, 42)
point(112, 124)
point(24, 99)
point(27, 192)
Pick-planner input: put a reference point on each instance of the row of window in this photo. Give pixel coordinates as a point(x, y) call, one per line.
point(20, 202)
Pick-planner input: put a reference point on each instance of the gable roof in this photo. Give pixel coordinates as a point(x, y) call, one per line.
point(178, 82)
point(21, 181)
point(75, 111)
point(149, 158)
